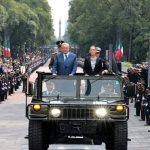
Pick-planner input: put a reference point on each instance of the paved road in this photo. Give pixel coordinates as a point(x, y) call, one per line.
point(14, 127)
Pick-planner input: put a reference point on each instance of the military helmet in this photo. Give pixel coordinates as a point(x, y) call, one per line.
point(58, 43)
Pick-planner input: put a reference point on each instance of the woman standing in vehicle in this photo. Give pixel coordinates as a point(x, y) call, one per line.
point(92, 64)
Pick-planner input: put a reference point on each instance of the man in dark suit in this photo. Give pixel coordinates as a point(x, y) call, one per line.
point(65, 62)
point(92, 64)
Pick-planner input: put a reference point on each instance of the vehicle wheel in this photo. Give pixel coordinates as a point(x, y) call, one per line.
point(109, 144)
point(117, 140)
point(120, 136)
point(46, 132)
point(109, 140)
point(97, 141)
point(36, 136)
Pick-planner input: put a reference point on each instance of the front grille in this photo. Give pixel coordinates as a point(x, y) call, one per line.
point(77, 113)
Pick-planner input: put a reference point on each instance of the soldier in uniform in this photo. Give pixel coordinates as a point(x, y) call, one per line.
point(104, 65)
point(1, 89)
point(58, 43)
point(11, 82)
point(1, 69)
point(2, 96)
point(51, 89)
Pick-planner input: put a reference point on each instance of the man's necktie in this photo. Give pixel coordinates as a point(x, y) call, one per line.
point(65, 57)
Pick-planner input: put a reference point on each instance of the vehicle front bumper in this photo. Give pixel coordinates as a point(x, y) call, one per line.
point(77, 112)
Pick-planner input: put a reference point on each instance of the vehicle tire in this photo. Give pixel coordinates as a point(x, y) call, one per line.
point(109, 140)
point(109, 144)
point(36, 136)
point(46, 132)
point(97, 141)
point(120, 136)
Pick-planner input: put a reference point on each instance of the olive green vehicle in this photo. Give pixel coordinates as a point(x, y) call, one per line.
point(70, 106)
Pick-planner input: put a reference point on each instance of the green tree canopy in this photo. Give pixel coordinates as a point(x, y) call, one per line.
point(102, 22)
point(26, 23)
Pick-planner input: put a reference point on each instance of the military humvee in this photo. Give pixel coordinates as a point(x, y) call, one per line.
point(87, 106)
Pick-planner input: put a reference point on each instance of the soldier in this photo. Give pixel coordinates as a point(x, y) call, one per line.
point(11, 82)
point(1, 69)
point(58, 43)
point(51, 89)
point(98, 50)
point(18, 75)
point(1, 89)
point(104, 65)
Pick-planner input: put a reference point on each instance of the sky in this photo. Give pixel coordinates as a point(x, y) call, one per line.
point(59, 11)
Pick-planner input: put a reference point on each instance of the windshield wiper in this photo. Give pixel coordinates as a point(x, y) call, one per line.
point(57, 97)
point(88, 90)
point(98, 97)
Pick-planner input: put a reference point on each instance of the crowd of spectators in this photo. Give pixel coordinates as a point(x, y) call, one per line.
point(13, 72)
point(136, 80)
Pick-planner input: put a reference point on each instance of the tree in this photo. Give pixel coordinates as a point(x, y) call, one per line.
point(101, 22)
point(26, 23)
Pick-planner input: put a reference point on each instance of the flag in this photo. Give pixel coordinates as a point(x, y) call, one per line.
point(8, 52)
point(3, 51)
point(119, 52)
point(5, 44)
point(0, 51)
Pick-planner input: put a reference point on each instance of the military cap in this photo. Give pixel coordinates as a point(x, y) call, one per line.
point(58, 43)
point(98, 49)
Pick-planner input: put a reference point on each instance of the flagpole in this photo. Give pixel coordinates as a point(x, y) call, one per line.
point(110, 56)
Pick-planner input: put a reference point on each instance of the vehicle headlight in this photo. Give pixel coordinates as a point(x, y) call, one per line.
point(119, 108)
point(55, 112)
point(101, 112)
point(36, 107)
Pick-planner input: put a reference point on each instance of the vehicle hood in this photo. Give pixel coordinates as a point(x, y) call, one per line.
point(84, 102)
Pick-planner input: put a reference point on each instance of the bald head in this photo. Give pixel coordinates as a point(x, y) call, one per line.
point(65, 47)
point(50, 85)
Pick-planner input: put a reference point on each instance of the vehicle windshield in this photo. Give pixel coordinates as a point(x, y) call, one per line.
point(59, 87)
point(83, 88)
point(100, 88)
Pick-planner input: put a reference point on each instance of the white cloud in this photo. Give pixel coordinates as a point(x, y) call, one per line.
point(59, 11)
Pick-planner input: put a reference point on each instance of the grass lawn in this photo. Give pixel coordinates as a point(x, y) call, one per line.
point(126, 64)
